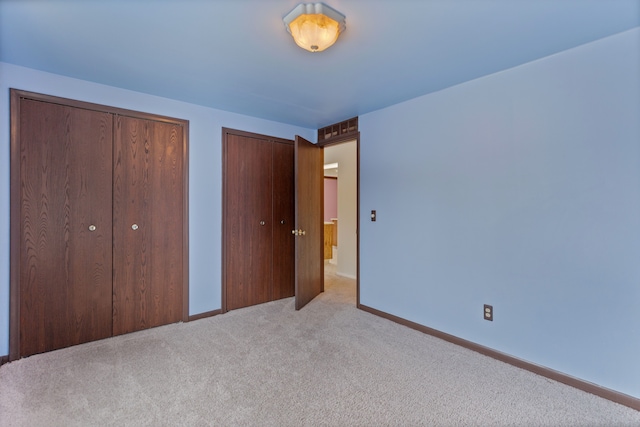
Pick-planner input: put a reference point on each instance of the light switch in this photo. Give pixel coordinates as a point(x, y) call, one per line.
point(373, 216)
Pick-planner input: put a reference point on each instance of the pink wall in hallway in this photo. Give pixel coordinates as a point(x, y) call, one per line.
point(330, 198)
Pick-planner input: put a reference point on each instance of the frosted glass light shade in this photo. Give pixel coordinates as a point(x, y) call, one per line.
point(314, 26)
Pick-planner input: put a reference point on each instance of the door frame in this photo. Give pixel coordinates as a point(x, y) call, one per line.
point(16, 96)
point(351, 137)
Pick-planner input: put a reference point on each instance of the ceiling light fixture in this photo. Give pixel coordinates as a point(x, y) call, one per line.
point(314, 26)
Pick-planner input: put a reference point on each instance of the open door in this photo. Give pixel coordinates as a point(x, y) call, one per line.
point(308, 165)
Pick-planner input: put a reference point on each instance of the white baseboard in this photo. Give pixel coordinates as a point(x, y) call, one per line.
point(348, 276)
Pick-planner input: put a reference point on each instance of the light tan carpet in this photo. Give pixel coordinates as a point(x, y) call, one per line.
point(326, 365)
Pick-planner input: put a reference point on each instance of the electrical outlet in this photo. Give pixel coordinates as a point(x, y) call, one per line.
point(488, 312)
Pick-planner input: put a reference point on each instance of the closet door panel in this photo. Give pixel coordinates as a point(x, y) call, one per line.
point(283, 224)
point(147, 226)
point(248, 213)
point(167, 224)
point(65, 226)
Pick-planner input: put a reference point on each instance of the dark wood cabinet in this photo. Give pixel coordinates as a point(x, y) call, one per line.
point(98, 224)
point(258, 216)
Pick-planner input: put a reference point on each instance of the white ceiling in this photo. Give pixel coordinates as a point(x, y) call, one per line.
point(235, 55)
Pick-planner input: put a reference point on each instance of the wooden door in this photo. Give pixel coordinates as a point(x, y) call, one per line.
point(309, 247)
point(62, 191)
point(248, 256)
point(283, 221)
point(147, 224)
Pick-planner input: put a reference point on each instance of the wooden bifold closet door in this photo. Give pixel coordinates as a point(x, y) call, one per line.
point(258, 214)
point(65, 267)
point(98, 222)
point(147, 224)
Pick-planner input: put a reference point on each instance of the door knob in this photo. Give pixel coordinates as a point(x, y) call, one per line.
point(298, 232)
point(282, 221)
point(92, 227)
point(134, 227)
point(262, 222)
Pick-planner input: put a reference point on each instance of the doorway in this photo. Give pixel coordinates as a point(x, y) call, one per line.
point(341, 218)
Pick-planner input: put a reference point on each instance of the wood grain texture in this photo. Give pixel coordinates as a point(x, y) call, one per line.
point(248, 244)
point(309, 248)
point(328, 240)
point(15, 228)
point(62, 172)
point(147, 226)
point(257, 260)
point(283, 222)
point(65, 274)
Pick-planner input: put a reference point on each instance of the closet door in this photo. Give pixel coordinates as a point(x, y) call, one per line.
point(63, 256)
point(248, 221)
point(147, 224)
point(283, 221)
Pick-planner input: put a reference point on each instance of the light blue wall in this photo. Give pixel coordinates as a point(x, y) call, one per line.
point(205, 165)
point(520, 190)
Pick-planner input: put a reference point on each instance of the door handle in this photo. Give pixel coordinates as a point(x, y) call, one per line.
point(298, 232)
